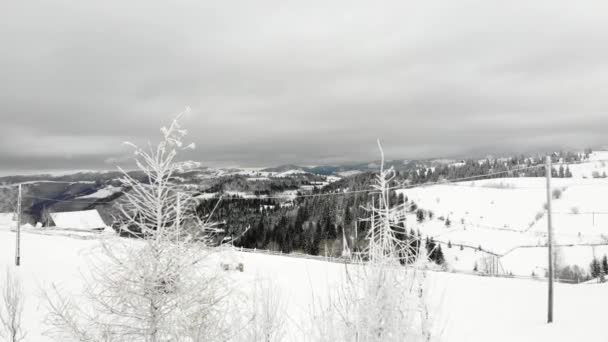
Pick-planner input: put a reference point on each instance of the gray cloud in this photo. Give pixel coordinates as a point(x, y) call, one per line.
point(309, 82)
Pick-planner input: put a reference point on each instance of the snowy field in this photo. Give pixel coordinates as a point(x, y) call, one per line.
point(504, 214)
point(466, 308)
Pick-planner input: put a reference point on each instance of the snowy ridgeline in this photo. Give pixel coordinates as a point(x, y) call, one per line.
point(472, 308)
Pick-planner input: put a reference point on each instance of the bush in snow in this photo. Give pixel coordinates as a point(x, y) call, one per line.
point(557, 193)
point(595, 268)
point(11, 308)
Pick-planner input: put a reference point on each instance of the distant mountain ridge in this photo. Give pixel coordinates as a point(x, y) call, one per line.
point(328, 170)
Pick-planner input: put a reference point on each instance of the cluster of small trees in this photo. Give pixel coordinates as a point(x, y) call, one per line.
point(599, 268)
point(573, 273)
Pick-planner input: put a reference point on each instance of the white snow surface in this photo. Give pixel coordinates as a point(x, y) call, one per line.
point(464, 308)
point(102, 193)
point(289, 173)
point(7, 220)
point(507, 216)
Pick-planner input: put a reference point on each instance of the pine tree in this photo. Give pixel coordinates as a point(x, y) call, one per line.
point(348, 217)
point(595, 268)
point(401, 198)
point(439, 258)
point(432, 249)
point(420, 215)
point(330, 230)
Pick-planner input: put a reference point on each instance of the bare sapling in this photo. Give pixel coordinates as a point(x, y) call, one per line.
point(12, 300)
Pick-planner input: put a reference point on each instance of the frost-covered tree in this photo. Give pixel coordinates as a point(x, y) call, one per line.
point(379, 300)
point(158, 287)
point(11, 307)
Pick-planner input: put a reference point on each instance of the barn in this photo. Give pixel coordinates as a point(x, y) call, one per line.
point(85, 220)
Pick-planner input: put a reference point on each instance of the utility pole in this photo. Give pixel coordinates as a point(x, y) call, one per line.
point(18, 237)
point(550, 241)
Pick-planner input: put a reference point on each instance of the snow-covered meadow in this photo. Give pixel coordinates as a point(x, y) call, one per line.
point(507, 216)
point(464, 308)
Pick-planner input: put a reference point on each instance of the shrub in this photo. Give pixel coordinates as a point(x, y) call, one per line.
point(557, 193)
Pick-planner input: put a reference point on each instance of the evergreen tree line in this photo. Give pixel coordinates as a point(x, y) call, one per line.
point(318, 225)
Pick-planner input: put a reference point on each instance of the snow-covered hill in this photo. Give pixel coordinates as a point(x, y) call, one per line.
point(507, 216)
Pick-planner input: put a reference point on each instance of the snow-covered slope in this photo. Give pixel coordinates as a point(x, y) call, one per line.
point(501, 215)
point(599, 164)
point(7, 221)
point(103, 193)
point(465, 308)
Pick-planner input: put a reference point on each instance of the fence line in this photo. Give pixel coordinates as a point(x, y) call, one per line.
point(343, 260)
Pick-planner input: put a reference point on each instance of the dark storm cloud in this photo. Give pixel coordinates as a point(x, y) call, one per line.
point(311, 82)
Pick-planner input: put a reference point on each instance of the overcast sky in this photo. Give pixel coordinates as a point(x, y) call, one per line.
point(309, 82)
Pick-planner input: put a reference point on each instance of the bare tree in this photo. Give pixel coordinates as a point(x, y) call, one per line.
point(156, 288)
point(11, 307)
